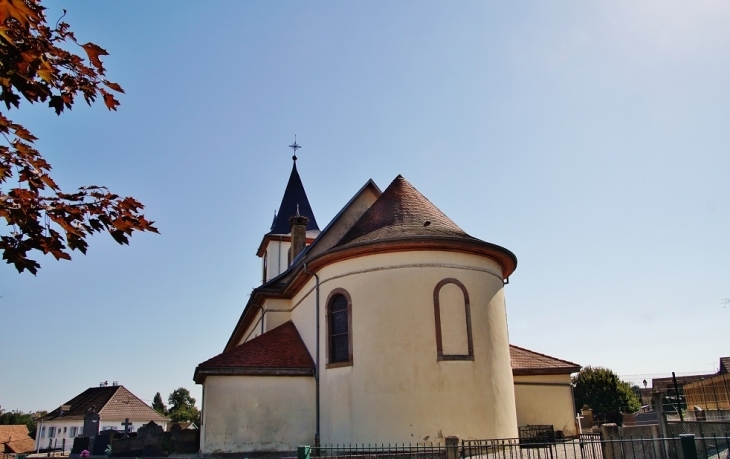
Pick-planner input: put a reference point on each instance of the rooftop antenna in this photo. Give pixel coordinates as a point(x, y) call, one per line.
point(295, 146)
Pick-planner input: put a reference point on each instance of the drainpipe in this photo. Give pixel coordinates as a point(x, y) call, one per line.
point(39, 427)
point(316, 359)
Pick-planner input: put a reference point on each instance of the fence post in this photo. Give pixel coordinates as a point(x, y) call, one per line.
point(611, 441)
point(452, 447)
point(303, 452)
point(689, 449)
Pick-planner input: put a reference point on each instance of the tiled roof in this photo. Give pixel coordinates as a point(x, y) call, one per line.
point(278, 351)
point(110, 402)
point(527, 362)
point(15, 439)
point(401, 212)
point(293, 195)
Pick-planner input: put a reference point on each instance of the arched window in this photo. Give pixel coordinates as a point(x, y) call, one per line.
point(453, 321)
point(339, 329)
point(266, 262)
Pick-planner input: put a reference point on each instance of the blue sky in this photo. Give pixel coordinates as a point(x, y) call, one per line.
point(589, 138)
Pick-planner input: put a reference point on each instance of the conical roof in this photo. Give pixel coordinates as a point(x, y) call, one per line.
point(294, 196)
point(401, 212)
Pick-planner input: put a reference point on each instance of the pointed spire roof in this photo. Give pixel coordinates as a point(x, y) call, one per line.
point(401, 212)
point(294, 196)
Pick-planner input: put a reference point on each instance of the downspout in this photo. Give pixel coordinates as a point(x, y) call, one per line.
point(316, 359)
point(262, 318)
point(38, 437)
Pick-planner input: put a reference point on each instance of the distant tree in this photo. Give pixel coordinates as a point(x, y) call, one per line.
point(158, 405)
point(17, 417)
point(182, 407)
point(36, 65)
point(603, 391)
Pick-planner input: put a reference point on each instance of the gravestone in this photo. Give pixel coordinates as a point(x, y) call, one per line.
point(80, 443)
point(103, 440)
point(91, 423)
point(152, 437)
point(184, 441)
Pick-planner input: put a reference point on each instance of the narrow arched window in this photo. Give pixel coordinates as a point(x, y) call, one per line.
point(266, 263)
point(453, 321)
point(339, 329)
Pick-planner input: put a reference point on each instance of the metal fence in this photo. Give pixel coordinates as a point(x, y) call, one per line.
point(376, 451)
point(593, 447)
point(587, 446)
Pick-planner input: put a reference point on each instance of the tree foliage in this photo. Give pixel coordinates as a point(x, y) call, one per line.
point(42, 217)
point(17, 417)
point(158, 405)
point(182, 407)
point(603, 391)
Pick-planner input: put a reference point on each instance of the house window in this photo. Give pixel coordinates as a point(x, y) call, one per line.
point(339, 329)
point(452, 314)
point(43, 432)
point(51, 431)
point(72, 432)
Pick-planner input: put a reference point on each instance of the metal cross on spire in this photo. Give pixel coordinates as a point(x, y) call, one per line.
point(295, 146)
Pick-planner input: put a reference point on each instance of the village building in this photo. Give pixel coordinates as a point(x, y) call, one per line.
point(117, 408)
point(389, 325)
point(14, 439)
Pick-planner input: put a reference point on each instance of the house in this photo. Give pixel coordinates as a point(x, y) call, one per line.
point(389, 325)
point(543, 390)
point(114, 404)
point(14, 439)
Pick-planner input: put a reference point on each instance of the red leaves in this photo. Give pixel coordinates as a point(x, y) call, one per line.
point(35, 64)
point(23, 12)
point(94, 51)
point(109, 100)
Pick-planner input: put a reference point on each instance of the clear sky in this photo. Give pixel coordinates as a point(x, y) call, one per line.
point(590, 138)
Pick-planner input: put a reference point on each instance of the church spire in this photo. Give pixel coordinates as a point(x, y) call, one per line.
point(294, 202)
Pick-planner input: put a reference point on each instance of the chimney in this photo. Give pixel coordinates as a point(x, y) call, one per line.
point(298, 233)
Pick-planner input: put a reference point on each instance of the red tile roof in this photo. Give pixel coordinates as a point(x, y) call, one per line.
point(14, 439)
point(527, 362)
point(401, 212)
point(279, 351)
point(111, 402)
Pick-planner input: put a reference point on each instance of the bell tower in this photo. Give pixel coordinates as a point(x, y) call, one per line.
point(275, 248)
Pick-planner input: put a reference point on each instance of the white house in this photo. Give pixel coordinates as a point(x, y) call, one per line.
point(389, 325)
point(114, 404)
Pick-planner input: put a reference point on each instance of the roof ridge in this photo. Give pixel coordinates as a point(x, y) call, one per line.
point(545, 355)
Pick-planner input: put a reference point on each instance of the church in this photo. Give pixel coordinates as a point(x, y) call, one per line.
point(388, 325)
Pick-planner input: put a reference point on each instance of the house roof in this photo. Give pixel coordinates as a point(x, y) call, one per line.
point(527, 362)
point(15, 439)
point(110, 402)
point(280, 351)
point(401, 212)
point(294, 196)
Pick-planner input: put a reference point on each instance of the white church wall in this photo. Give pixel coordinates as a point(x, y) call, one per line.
point(277, 258)
point(260, 413)
point(545, 400)
point(396, 389)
